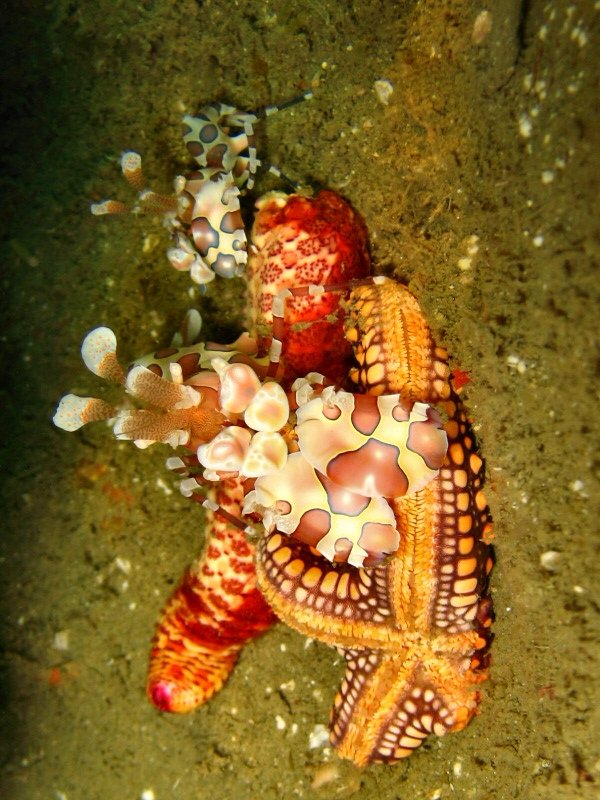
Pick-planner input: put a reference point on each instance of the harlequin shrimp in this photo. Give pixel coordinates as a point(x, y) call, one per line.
point(203, 214)
point(325, 461)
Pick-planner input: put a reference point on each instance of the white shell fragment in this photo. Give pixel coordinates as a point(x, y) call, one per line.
point(482, 27)
point(550, 560)
point(383, 90)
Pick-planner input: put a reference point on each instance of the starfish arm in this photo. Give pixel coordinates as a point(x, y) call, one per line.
point(215, 611)
point(462, 557)
point(335, 604)
point(389, 703)
point(300, 241)
point(415, 630)
point(393, 345)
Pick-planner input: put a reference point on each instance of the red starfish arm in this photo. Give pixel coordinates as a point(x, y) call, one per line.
point(301, 241)
point(213, 613)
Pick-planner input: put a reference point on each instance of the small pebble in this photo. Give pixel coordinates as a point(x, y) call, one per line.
point(162, 485)
point(472, 243)
point(384, 90)
point(516, 363)
point(61, 640)
point(318, 737)
point(280, 723)
point(525, 126)
point(325, 774)
point(123, 564)
point(482, 27)
point(550, 560)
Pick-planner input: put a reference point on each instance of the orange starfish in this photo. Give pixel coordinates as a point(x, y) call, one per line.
point(415, 631)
